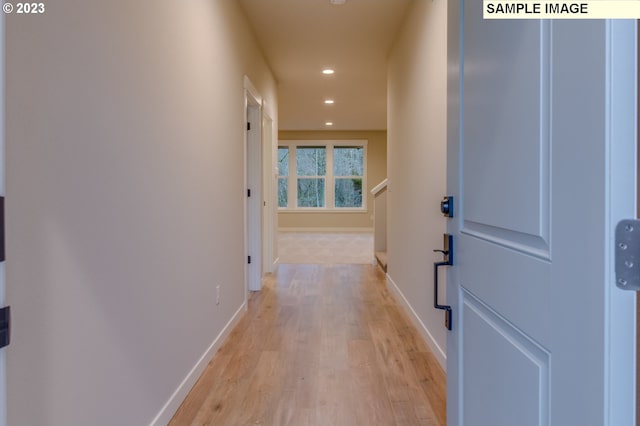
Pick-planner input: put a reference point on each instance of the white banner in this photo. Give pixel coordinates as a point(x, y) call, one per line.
point(548, 9)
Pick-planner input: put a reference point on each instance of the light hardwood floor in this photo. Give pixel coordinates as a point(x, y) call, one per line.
point(320, 345)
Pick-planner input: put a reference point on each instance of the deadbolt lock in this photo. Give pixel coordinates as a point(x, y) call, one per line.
point(446, 206)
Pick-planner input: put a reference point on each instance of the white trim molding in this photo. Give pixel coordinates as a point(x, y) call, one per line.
point(321, 210)
point(171, 406)
point(249, 87)
point(440, 354)
point(327, 230)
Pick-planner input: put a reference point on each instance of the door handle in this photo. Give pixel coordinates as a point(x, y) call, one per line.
point(447, 252)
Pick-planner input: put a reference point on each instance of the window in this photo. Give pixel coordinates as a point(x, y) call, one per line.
point(322, 175)
point(348, 170)
point(311, 173)
point(283, 176)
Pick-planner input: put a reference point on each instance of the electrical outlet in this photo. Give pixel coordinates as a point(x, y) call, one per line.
point(218, 294)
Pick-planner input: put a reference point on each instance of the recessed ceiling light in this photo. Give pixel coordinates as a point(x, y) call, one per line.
point(329, 101)
point(329, 123)
point(328, 71)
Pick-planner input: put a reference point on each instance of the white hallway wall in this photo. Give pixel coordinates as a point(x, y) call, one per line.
point(417, 163)
point(124, 197)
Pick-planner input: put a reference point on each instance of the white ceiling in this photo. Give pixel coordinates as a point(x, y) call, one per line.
point(301, 37)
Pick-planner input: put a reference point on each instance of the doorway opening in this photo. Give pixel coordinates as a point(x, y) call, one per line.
point(325, 199)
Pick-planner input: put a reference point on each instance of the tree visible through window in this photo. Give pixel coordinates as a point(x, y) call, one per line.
point(348, 169)
point(283, 176)
point(314, 176)
point(311, 162)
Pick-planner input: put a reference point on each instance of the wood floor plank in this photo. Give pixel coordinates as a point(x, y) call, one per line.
point(372, 406)
point(262, 391)
point(432, 381)
point(409, 337)
point(212, 375)
point(320, 345)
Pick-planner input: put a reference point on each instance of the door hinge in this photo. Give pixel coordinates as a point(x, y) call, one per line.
point(249, 259)
point(248, 192)
point(627, 249)
point(5, 326)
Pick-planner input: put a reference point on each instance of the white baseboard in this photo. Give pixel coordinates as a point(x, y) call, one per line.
point(359, 230)
point(169, 410)
point(440, 355)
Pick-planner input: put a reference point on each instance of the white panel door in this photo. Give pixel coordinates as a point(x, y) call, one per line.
point(254, 197)
point(3, 351)
point(541, 148)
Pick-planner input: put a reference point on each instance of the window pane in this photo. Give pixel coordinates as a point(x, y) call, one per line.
point(311, 161)
point(283, 186)
point(348, 161)
point(348, 192)
point(283, 161)
point(310, 192)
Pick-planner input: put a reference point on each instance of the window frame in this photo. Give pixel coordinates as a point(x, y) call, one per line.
point(329, 179)
point(279, 176)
